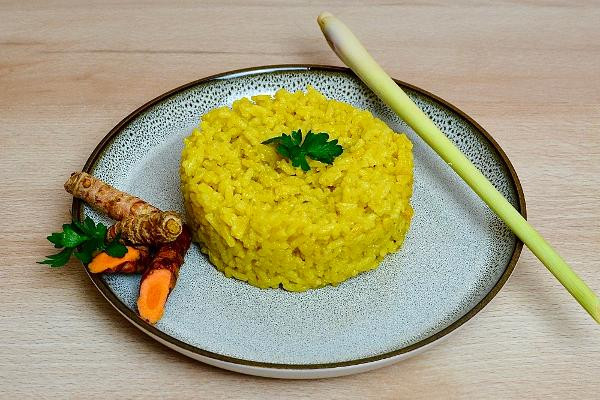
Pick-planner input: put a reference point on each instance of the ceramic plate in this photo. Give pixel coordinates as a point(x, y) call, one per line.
point(456, 257)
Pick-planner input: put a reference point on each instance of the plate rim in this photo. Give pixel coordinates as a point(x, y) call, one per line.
point(131, 316)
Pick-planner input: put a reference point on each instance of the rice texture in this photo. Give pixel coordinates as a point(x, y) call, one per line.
point(265, 222)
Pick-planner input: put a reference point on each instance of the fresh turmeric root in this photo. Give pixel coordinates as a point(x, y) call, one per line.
point(138, 222)
point(105, 198)
point(154, 228)
point(161, 276)
point(135, 260)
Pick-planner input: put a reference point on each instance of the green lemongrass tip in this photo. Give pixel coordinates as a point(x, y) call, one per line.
point(354, 55)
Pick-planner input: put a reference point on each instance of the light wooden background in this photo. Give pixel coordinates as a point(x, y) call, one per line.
point(529, 72)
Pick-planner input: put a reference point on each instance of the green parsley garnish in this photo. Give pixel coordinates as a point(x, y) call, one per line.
point(315, 146)
point(82, 239)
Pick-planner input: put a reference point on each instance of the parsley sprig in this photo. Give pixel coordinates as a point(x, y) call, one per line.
point(315, 145)
point(82, 239)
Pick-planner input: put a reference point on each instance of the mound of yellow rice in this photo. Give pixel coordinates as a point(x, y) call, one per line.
point(265, 222)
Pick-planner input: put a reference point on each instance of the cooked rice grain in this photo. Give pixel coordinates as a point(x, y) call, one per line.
point(265, 222)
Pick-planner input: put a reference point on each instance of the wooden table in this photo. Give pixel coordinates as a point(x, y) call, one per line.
point(70, 70)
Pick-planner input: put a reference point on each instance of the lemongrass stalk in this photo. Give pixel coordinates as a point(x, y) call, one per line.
point(354, 55)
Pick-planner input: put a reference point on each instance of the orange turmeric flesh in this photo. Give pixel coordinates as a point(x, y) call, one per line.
point(133, 261)
point(154, 291)
point(161, 276)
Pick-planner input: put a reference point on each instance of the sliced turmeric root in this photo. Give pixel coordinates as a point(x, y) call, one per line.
point(133, 261)
point(161, 276)
point(154, 291)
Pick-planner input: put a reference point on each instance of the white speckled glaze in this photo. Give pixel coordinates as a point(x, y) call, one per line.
point(454, 255)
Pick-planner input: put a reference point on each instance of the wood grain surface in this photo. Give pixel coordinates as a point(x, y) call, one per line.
point(528, 71)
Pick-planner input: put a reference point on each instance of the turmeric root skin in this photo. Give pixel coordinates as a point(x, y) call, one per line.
point(161, 276)
point(151, 229)
point(135, 260)
point(105, 198)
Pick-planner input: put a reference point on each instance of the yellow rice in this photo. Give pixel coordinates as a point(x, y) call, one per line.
point(265, 222)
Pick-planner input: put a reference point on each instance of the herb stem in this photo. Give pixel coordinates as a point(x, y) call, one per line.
point(353, 54)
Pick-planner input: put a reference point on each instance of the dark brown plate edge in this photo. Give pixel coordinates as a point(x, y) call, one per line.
point(77, 211)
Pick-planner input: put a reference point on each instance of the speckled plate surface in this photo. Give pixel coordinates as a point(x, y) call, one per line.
point(456, 256)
